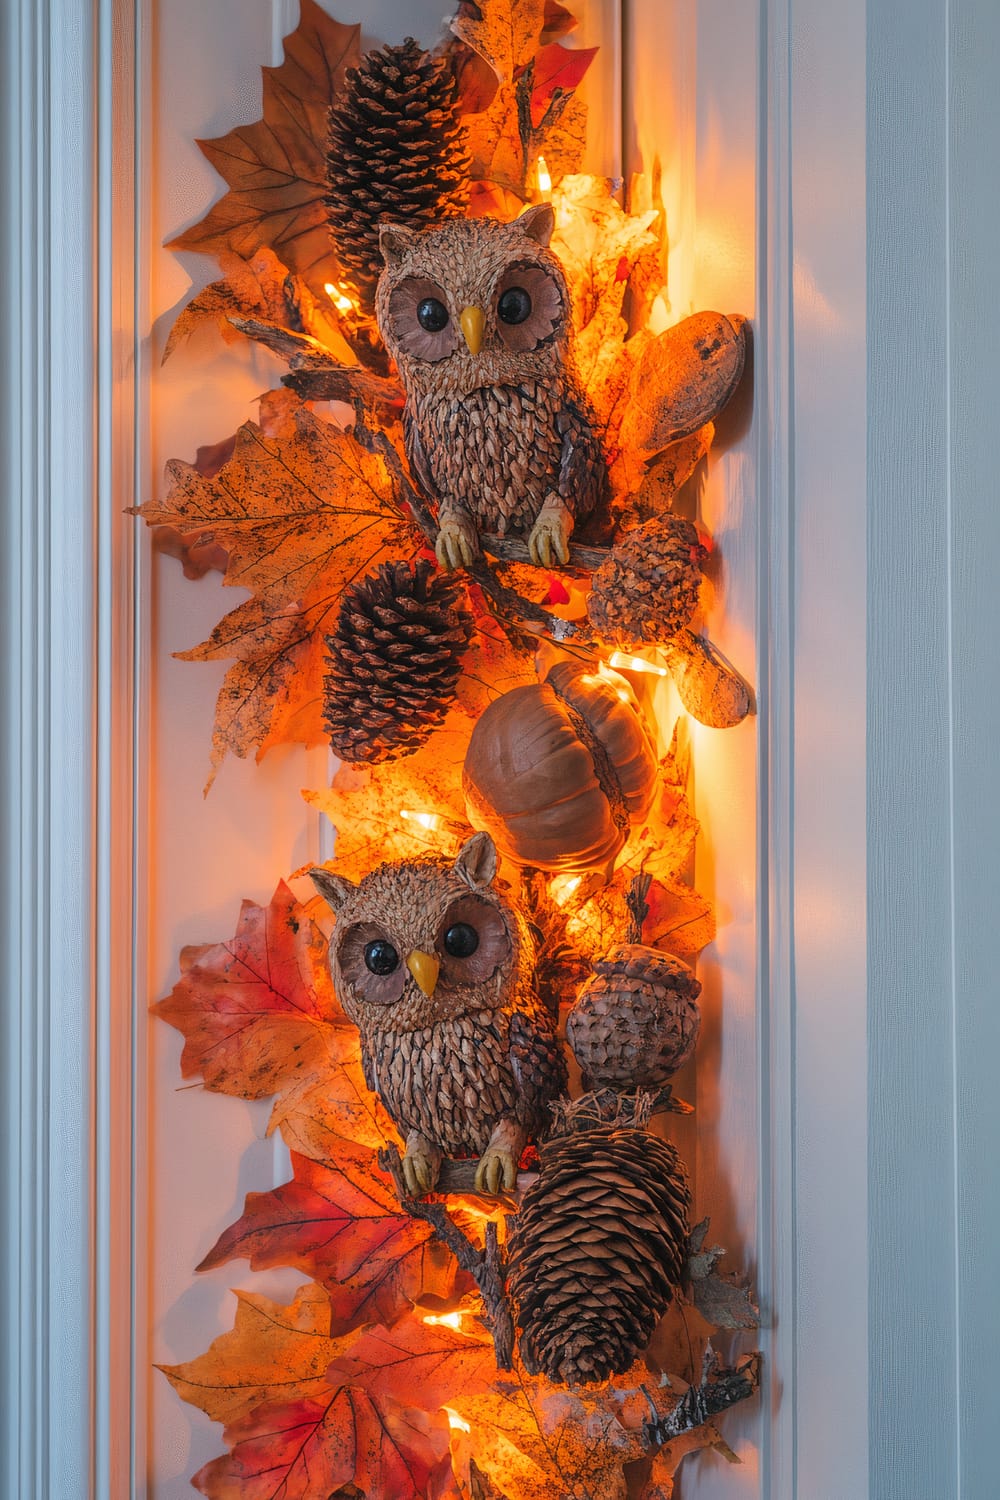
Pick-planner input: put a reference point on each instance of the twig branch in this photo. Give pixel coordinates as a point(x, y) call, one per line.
point(486, 1267)
point(718, 1390)
point(344, 383)
point(638, 906)
point(515, 549)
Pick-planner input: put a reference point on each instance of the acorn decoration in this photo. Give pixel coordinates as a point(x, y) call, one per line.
point(635, 1022)
point(647, 588)
point(396, 154)
point(597, 1251)
point(558, 771)
point(636, 1019)
point(394, 660)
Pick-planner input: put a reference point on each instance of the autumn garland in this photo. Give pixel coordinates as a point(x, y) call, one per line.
point(317, 1397)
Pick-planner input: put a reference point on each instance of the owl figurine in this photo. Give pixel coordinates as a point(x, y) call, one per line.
point(435, 968)
point(475, 314)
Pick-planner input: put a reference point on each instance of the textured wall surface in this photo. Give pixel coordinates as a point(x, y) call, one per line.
point(934, 719)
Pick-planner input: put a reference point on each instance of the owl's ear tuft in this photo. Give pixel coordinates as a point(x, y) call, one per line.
point(538, 222)
point(335, 889)
point(395, 242)
point(476, 861)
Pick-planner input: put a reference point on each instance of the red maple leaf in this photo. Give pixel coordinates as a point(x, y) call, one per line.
point(343, 1226)
point(557, 69)
point(308, 1450)
point(255, 1010)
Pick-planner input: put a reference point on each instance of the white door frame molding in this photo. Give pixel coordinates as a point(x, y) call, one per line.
point(70, 598)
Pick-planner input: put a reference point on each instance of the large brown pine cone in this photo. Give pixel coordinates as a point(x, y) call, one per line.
point(597, 1251)
point(395, 657)
point(647, 588)
point(396, 153)
point(636, 1020)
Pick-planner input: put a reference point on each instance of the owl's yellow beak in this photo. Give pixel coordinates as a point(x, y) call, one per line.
point(473, 321)
point(425, 969)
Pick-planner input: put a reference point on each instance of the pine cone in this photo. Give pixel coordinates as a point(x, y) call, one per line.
point(635, 1022)
point(396, 153)
point(596, 1252)
point(647, 589)
point(394, 660)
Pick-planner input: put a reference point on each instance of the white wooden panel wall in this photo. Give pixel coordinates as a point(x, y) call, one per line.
point(934, 702)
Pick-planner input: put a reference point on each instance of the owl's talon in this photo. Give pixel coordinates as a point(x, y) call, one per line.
point(497, 1170)
point(421, 1168)
point(456, 544)
point(550, 535)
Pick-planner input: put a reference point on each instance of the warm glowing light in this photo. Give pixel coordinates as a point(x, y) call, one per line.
point(445, 1320)
point(341, 301)
point(564, 888)
point(544, 179)
point(434, 823)
point(454, 1419)
point(636, 664)
point(607, 674)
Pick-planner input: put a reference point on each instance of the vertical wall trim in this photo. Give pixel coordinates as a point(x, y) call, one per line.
point(66, 782)
point(912, 1001)
point(776, 977)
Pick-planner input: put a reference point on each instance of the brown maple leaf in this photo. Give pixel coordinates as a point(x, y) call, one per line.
point(275, 167)
point(342, 1224)
point(301, 516)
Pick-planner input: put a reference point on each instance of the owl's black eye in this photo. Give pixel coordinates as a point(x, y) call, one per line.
point(432, 315)
point(461, 940)
point(381, 957)
point(514, 306)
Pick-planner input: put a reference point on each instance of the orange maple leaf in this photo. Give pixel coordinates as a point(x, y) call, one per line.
point(252, 1010)
point(275, 167)
point(271, 1353)
point(301, 514)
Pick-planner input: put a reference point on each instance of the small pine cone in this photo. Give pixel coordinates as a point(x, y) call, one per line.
point(647, 588)
point(395, 657)
point(635, 1021)
point(596, 1252)
point(396, 154)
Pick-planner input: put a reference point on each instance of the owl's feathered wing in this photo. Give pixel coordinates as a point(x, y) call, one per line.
point(583, 469)
point(537, 1063)
point(416, 456)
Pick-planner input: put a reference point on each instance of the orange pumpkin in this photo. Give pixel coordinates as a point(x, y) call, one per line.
point(559, 770)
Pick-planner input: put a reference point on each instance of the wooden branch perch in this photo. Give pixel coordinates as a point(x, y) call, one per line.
point(314, 382)
point(515, 549)
point(486, 1267)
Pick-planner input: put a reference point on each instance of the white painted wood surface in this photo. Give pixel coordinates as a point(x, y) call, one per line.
point(934, 539)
